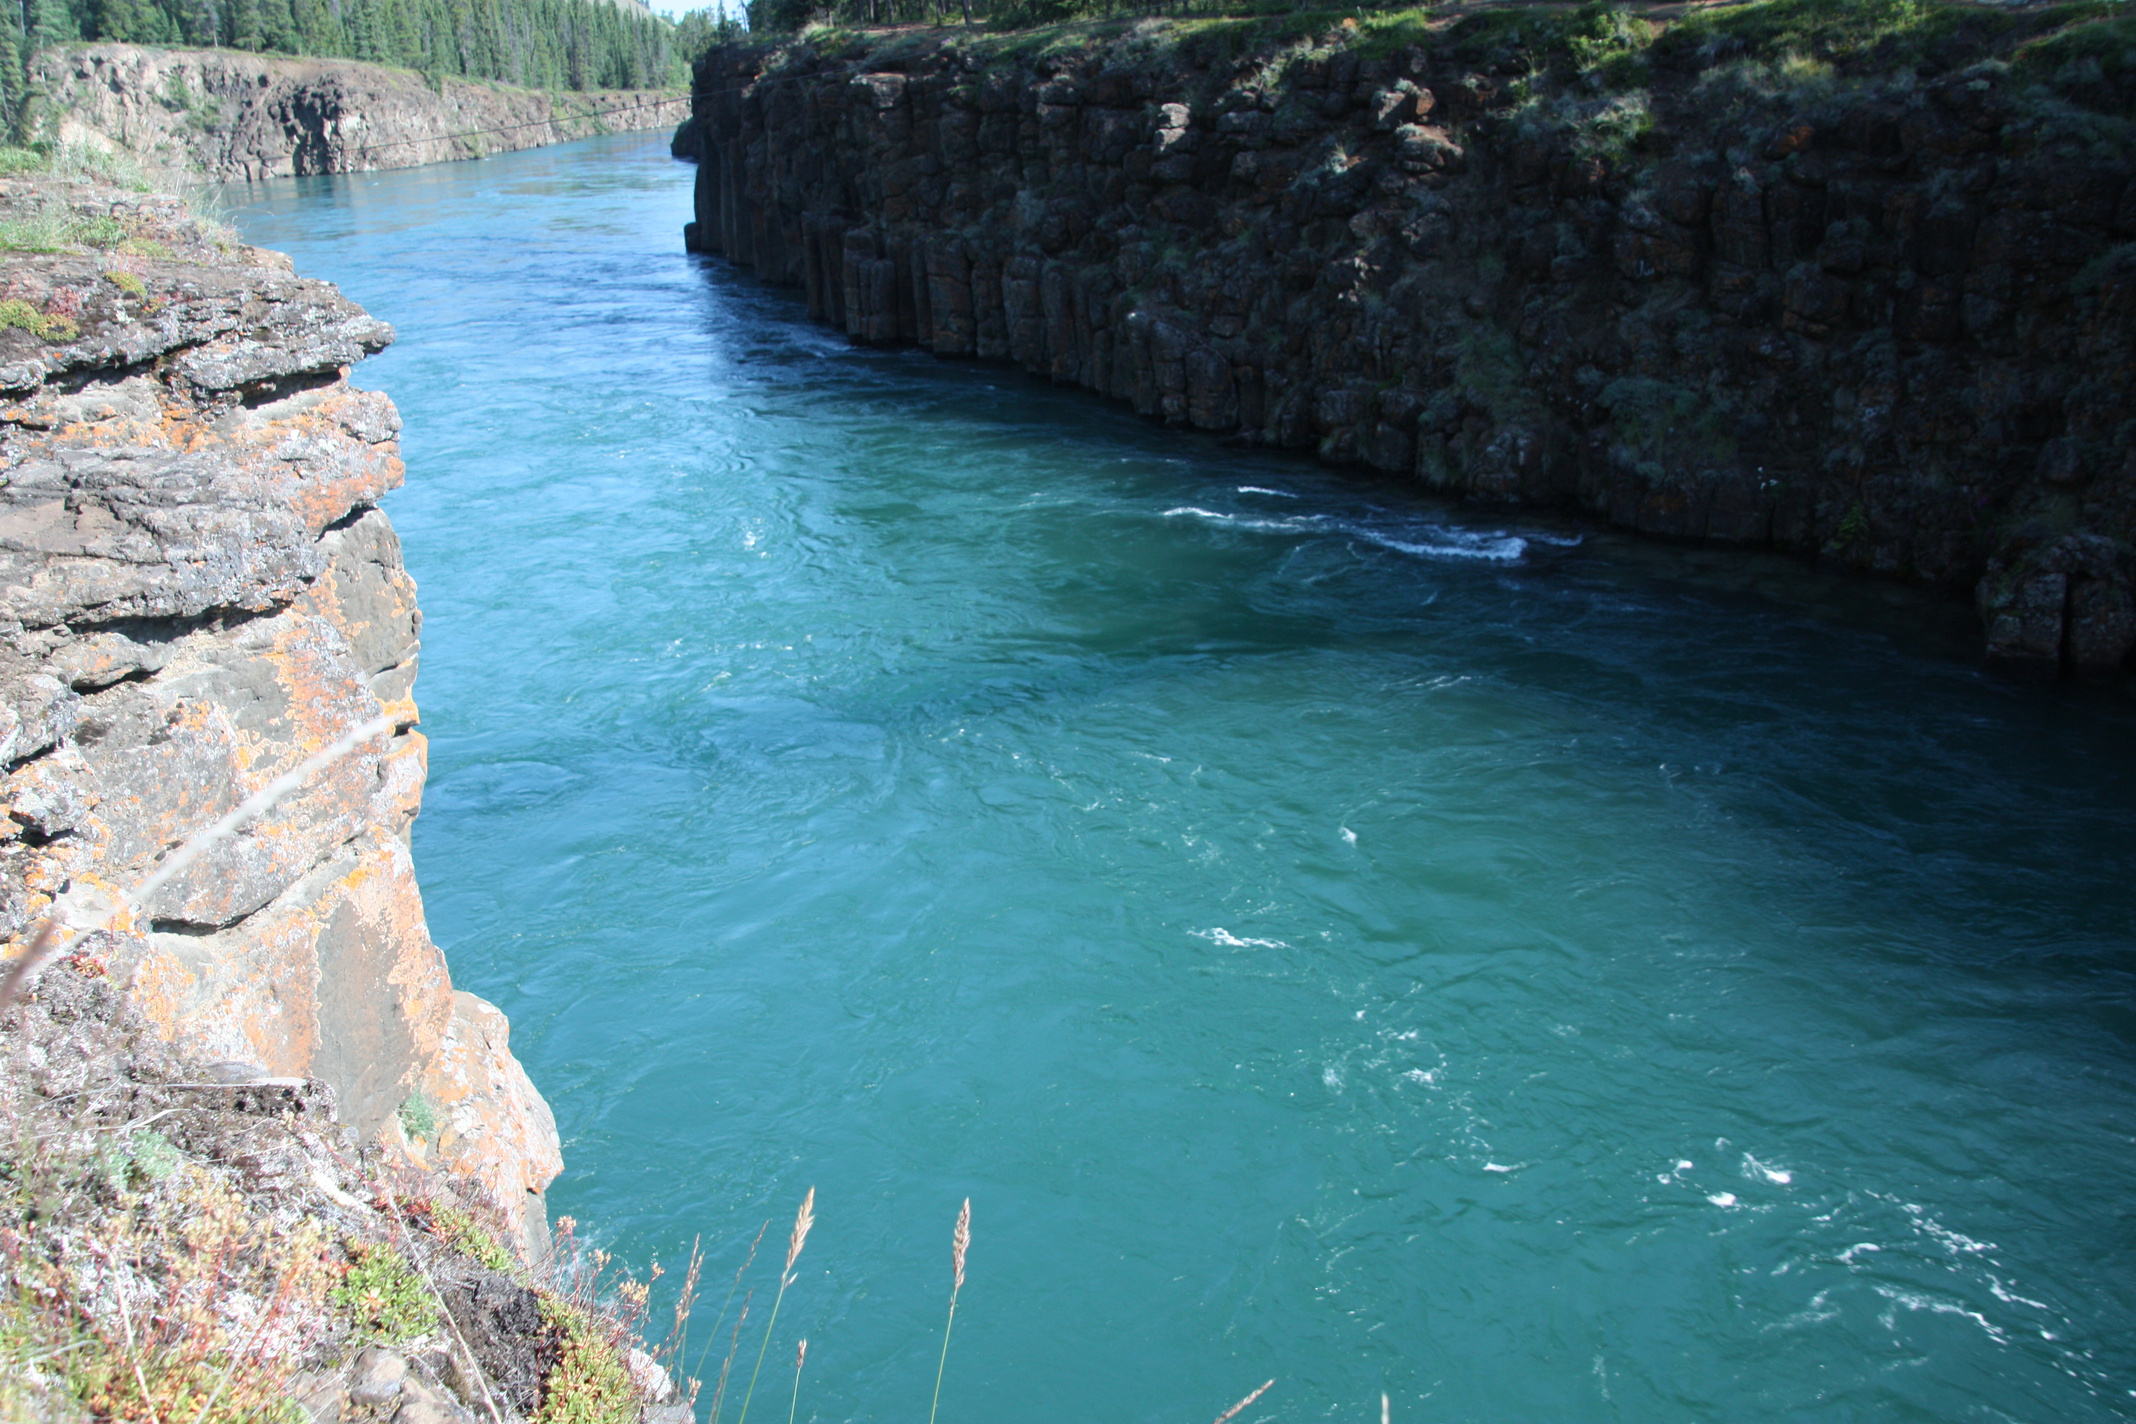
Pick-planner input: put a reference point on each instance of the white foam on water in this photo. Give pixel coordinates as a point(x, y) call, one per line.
point(2008, 1298)
point(1914, 1300)
point(1955, 1242)
point(1817, 1312)
point(1847, 1256)
point(1723, 1198)
point(1497, 1167)
point(1349, 835)
point(1754, 1169)
point(1428, 541)
point(1447, 543)
point(1262, 489)
point(1293, 524)
point(1224, 937)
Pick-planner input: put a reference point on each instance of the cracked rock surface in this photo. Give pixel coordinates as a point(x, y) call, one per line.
point(198, 590)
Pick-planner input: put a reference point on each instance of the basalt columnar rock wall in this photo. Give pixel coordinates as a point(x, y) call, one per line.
point(1879, 314)
point(232, 115)
point(200, 591)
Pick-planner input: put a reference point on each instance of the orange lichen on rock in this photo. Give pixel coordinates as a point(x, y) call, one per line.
point(493, 1125)
point(201, 593)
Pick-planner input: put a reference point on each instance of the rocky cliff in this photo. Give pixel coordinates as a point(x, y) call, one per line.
point(200, 591)
point(1855, 281)
point(233, 115)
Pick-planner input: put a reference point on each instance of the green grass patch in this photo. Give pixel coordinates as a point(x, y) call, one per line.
point(21, 314)
point(54, 229)
point(2093, 62)
point(96, 231)
point(1857, 35)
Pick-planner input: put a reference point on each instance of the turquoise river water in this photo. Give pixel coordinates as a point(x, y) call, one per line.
point(1326, 936)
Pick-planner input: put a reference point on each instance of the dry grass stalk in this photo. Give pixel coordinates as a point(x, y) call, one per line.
point(678, 1337)
point(719, 1395)
point(723, 1306)
point(800, 1356)
point(803, 1220)
point(1235, 1410)
point(960, 1241)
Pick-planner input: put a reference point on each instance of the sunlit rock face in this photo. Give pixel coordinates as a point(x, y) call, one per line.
point(239, 116)
point(200, 592)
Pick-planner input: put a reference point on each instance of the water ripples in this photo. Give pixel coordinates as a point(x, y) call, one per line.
point(1327, 934)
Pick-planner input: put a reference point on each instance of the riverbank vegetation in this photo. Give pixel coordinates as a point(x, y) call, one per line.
point(173, 1248)
point(2084, 50)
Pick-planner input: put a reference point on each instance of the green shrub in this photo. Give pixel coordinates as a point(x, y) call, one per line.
point(84, 162)
point(1609, 43)
point(1611, 132)
point(472, 1239)
point(385, 1297)
point(589, 1384)
point(2093, 63)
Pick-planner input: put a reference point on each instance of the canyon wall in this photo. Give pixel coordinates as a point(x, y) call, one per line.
point(1872, 302)
point(200, 592)
point(237, 116)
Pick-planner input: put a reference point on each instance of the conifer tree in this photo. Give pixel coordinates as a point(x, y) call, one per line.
point(14, 52)
point(574, 44)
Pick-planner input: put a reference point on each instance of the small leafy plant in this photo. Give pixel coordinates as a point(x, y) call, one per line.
point(385, 1296)
point(419, 1116)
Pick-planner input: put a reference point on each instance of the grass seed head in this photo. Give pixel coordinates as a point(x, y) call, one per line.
point(962, 1241)
point(802, 1223)
point(1237, 1409)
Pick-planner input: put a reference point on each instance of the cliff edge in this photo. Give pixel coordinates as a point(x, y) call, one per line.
point(238, 116)
point(1851, 281)
point(200, 591)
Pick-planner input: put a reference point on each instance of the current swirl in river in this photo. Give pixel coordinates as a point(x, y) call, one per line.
point(1326, 935)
